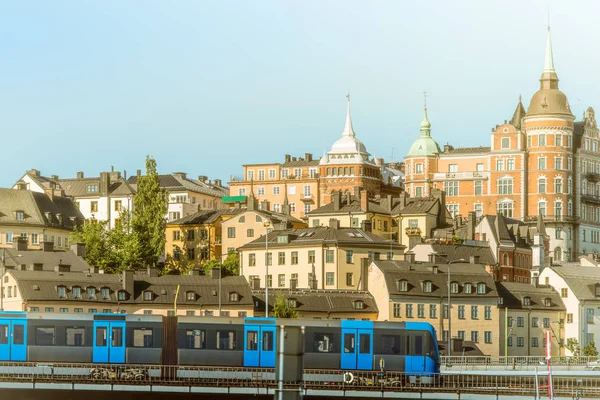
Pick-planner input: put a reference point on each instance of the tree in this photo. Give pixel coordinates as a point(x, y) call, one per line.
point(282, 308)
point(122, 244)
point(150, 204)
point(93, 233)
point(231, 265)
point(573, 346)
point(209, 265)
point(590, 350)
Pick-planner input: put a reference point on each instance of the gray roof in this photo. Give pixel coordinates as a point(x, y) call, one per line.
point(414, 205)
point(175, 182)
point(48, 260)
point(512, 294)
point(457, 251)
point(518, 115)
point(330, 301)
point(581, 280)
point(41, 285)
point(205, 217)
point(320, 235)
point(467, 150)
point(417, 273)
point(38, 209)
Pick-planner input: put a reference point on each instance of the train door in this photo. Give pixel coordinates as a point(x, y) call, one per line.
point(357, 345)
point(13, 337)
point(109, 340)
point(259, 342)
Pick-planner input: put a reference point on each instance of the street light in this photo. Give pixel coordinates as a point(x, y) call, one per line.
point(450, 307)
point(267, 224)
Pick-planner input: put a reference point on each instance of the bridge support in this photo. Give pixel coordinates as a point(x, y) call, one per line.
point(289, 366)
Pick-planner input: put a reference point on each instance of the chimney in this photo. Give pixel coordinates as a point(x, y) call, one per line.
point(195, 272)
point(255, 283)
point(139, 172)
point(364, 201)
point(114, 176)
point(215, 273)
point(151, 271)
point(471, 226)
point(180, 175)
point(54, 177)
point(125, 174)
point(390, 200)
point(313, 284)
point(348, 198)
point(293, 284)
point(288, 158)
point(337, 200)
point(218, 183)
point(434, 269)
point(409, 257)
point(432, 257)
point(79, 249)
point(62, 268)
point(19, 243)
point(50, 193)
point(364, 274)
point(128, 285)
point(104, 184)
point(294, 159)
point(447, 148)
point(21, 185)
point(366, 225)
point(357, 192)
point(80, 175)
point(265, 205)
point(474, 259)
point(334, 223)
point(402, 200)
point(34, 172)
point(94, 270)
point(47, 247)
point(441, 196)
point(308, 157)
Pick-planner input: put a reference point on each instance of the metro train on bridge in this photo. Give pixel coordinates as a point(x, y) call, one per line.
point(407, 347)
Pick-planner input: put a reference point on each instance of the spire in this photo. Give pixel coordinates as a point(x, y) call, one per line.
point(518, 115)
point(348, 130)
point(251, 203)
point(425, 125)
point(549, 61)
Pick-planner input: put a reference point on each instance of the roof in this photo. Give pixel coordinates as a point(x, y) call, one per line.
point(180, 181)
point(512, 294)
point(38, 209)
point(324, 301)
point(301, 163)
point(450, 252)
point(414, 205)
point(47, 259)
point(417, 273)
point(458, 151)
point(581, 280)
point(320, 235)
point(205, 217)
point(41, 285)
point(518, 115)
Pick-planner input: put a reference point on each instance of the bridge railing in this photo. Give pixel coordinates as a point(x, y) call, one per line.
point(513, 362)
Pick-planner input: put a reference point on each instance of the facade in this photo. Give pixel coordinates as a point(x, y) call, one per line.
point(579, 289)
point(37, 218)
point(317, 258)
point(541, 162)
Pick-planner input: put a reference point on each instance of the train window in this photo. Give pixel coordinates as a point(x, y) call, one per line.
point(18, 334)
point(390, 344)
point(267, 344)
point(196, 339)
point(142, 337)
point(324, 343)
point(101, 336)
point(252, 340)
point(226, 340)
point(44, 336)
point(348, 342)
point(3, 334)
point(117, 337)
point(75, 336)
point(365, 343)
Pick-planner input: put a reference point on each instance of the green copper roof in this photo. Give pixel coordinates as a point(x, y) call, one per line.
point(424, 145)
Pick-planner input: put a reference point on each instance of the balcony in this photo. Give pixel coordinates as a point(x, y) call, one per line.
point(461, 176)
point(308, 198)
point(413, 231)
point(592, 177)
point(590, 198)
point(554, 218)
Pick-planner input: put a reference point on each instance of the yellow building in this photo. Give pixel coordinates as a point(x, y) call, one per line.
point(37, 217)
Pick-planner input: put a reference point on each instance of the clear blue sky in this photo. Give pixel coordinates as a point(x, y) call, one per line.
point(206, 86)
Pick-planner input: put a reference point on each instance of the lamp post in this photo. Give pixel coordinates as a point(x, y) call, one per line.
point(450, 307)
point(2, 280)
point(267, 224)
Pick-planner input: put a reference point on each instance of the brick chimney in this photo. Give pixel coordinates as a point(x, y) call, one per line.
point(288, 158)
point(364, 201)
point(215, 273)
point(50, 193)
point(337, 200)
point(471, 225)
point(19, 243)
point(80, 175)
point(79, 249)
point(218, 183)
point(104, 184)
point(151, 271)
point(308, 157)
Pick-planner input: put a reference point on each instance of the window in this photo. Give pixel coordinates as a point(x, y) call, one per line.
point(92, 188)
point(142, 337)
point(505, 186)
point(427, 287)
point(147, 312)
point(34, 238)
point(94, 206)
point(478, 185)
point(403, 286)
point(433, 311)
point(558, 140)
point(196, 338)
point(510, 164)
point(329, 256)
point(487, 336)
point(564, 292)
point(542, 140)
point(451, 188)
point(61, 291)
point(231, 232)
point(409, 311)
point(542, 163)
point(105, 293)
point(397, 310)
point(526, 301)
point(419, 168)
point(269, 258)
point(190, 296)
point(76, 292)
point(453, 209)
point(176, 235)
point(63, 310)
point(75, 336)
point(499, 165)
point(542, 185)
point(311, 256)
point(546, 323)
point(509, 341)
point(558, 163)
point(250, 232)
point(445, 311)
point(475, 336)
point(474, 312)
point(505, 143)
point(349, 258)
point(488, 312)
point(208, 313)
point(122, 295)
point(349, 279)
point(453, 287)
point(329, 278)
point(520, 341)
point(91, 293)
point(461, 335)
point(453, 168)
point(226, 340)
point(534, 322)
point(276, 190)
point(421, 310)
point(45, 336)
point(281, 258)
point(569, 318)
point(148, 295)
point(590, 316)
point(191, 254)
point(234, 297)
point(294, 257)
point(558, 185)
point(118, 205)
point(461, 312)
point(419, 191)
point(251, 259)
point(468, 288)
point(78, 310)
point(520, 322)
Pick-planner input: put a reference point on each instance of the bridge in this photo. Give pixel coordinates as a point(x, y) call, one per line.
point(212, 382)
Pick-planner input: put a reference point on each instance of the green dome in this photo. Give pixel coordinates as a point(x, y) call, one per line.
point(424, 146)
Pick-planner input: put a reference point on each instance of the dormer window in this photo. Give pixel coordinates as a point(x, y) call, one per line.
point(91, 293)
point(526, 301)
point(105, 293)
point(190, 296)
point(548, 301)
point(234, 297)
point(122, 295)
point(403, 285)
point(293, 303)
point(454, 287)
point(61, 292)
point(148, 295)
point(60, 218)
point(359, 305)
point(427, 286)
point(283, 239)
point(481, 288)
point(468, 288)
point(19, 216)
point(242, 219)
point(92, 188)
point(76, 292)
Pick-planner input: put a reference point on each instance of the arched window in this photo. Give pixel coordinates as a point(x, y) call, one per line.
point(468, 288)
point(583, 187)
point(505, 259)
point(242, 219)
point(558, 254)
point(454, 287)
point(542, 185)
point(542, 208)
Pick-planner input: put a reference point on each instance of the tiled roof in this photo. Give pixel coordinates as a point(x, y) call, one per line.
point(47, 259)
point(581, 280)
point(512, 294)
point(330, 301)
point(41, 285)
point(467, 150)
point(38, 209)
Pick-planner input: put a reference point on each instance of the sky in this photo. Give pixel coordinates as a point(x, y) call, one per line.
point(207, 86)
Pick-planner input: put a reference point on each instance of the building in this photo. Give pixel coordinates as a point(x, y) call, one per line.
point(540, 163)
point(37, 217)
point(309, 183)
point(66, 291)
point(322, 304)
point(317, 258)
point(101, 198)
point(188, 196)
point(579, 289)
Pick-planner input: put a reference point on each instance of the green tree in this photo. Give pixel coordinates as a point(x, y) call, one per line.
point(282, 308)
point(94, 234)
point(150, 204)
point(123, 250)
point(209, 265)
point(231, 265)
point(573, 346)
point(590, 350)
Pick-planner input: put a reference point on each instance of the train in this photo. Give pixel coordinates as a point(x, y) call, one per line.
point(346, 345)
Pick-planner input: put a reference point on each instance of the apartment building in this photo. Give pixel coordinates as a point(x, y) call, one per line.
point(317, 258)
point(540, 163)
point(37, 218)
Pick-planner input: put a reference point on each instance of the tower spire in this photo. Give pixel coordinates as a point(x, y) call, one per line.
point(425, 124)
point(549, 60)
point(348, 129)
